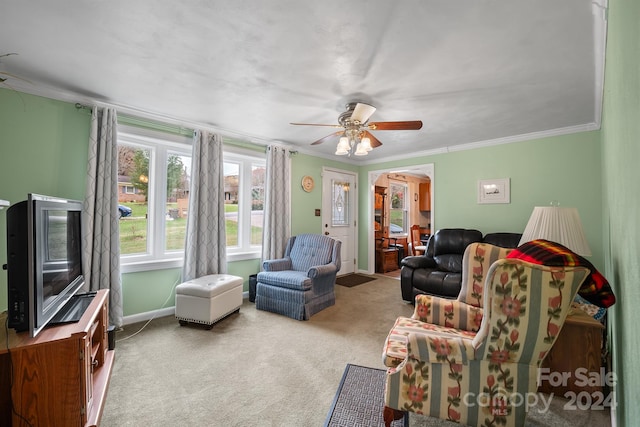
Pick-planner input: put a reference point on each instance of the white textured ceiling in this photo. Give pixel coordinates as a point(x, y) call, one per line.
point(471, 70)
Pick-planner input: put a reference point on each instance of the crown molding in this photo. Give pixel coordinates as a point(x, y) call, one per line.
point(71, 97)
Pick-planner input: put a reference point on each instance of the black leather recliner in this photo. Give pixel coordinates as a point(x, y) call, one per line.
point(439, 271)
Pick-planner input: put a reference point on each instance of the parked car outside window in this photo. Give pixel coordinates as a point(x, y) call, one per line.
point(123, 211)
point(395, 229)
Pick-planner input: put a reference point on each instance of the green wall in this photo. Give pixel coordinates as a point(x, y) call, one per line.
point(152, 290)
point(621, 152)
point(303, 204)
point(560, 168)
point(43, 149)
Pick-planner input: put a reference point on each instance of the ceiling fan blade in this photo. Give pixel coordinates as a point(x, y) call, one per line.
point(315, 124)
point(328, 137)
point(362, 112)
point(375, 142)
point(407, 125)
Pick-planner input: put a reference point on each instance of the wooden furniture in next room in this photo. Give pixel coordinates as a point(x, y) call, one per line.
point(61, 376)
point(417, 248)
point(386, 259)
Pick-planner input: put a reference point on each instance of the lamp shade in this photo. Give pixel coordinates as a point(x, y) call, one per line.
point(557, 224)
point(343, 146)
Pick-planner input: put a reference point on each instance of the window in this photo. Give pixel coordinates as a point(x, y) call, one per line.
point(156, 166)
point(244, 178)
point(398, 208)
point(340, 215)
point(154, 174)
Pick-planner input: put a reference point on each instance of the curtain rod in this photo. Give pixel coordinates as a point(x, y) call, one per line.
point(144, 115)
point(289, 150)
point(147, 115)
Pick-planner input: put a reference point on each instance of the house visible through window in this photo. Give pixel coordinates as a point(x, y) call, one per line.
point(244, 200)
point(154, 173)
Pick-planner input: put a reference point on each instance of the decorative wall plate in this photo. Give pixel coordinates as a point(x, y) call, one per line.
point(307, 183)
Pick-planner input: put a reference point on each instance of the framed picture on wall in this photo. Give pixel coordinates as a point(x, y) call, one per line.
point(494, 191)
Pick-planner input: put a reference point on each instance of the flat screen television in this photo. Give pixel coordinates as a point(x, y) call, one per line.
point(44, 262)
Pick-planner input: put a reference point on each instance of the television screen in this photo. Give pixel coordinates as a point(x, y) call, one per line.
point(44, 263)
point(60, 252)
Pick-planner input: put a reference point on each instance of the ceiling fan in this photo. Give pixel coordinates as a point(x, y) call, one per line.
point(355, 129)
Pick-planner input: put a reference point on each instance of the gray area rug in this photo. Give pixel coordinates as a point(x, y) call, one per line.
point(359, 400)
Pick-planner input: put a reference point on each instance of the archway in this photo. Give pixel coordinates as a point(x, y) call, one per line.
point(426, 170)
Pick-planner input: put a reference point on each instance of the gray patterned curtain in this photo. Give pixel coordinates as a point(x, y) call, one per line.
point(206, 238)
point(100, 228)
point(277, 203)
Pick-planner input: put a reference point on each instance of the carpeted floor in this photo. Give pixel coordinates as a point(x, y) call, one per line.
point(254, 368)
point(257, 368)
point(359, 400)
point(354, 279)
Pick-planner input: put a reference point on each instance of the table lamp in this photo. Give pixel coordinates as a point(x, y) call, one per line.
point(557, 224)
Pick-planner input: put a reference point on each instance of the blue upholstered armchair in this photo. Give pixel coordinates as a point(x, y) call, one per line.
point(302, 283)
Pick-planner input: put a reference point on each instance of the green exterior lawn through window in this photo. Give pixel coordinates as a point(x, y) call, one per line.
point(133, 230)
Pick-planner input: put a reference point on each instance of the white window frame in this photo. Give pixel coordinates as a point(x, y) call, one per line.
point(246, 159)
point(160, 145)
point(405, 208)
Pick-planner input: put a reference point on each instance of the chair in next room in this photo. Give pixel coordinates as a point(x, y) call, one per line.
point(416, 247)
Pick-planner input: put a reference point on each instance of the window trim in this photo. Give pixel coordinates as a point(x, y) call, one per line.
point(405, 208)
point(151, 139)
point(247, 159)
point(160, 145)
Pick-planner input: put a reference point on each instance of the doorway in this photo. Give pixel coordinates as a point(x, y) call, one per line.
point(421, 171)
point(339, 214)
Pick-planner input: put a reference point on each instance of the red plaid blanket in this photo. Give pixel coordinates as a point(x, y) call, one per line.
point(594, 289)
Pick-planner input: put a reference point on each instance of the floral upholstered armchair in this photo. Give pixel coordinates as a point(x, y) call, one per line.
point(303, 282)
point(474, 360)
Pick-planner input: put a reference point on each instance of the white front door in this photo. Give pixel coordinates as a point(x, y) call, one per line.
point(339, 205)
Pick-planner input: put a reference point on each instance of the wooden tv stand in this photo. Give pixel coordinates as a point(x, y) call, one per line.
point(61, 376)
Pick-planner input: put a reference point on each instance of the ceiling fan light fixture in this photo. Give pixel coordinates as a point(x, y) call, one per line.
point(360, 150)
point(343, 147)
point(356, 138)
point(366, 143)
point(341, 152)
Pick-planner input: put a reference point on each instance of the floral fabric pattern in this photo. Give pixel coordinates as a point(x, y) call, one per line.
point(445, 369)
point(466, 311)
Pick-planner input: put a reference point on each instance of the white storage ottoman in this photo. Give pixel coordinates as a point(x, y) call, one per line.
point(208, 299)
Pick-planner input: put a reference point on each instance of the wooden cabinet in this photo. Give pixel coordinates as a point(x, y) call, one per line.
point(424, 191)
point(386, 260)
point(61, 376)
point(380, 213)
point(575, 360)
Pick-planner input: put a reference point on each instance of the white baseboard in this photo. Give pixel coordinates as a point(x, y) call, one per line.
point(162, 312)
point(143, 317)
